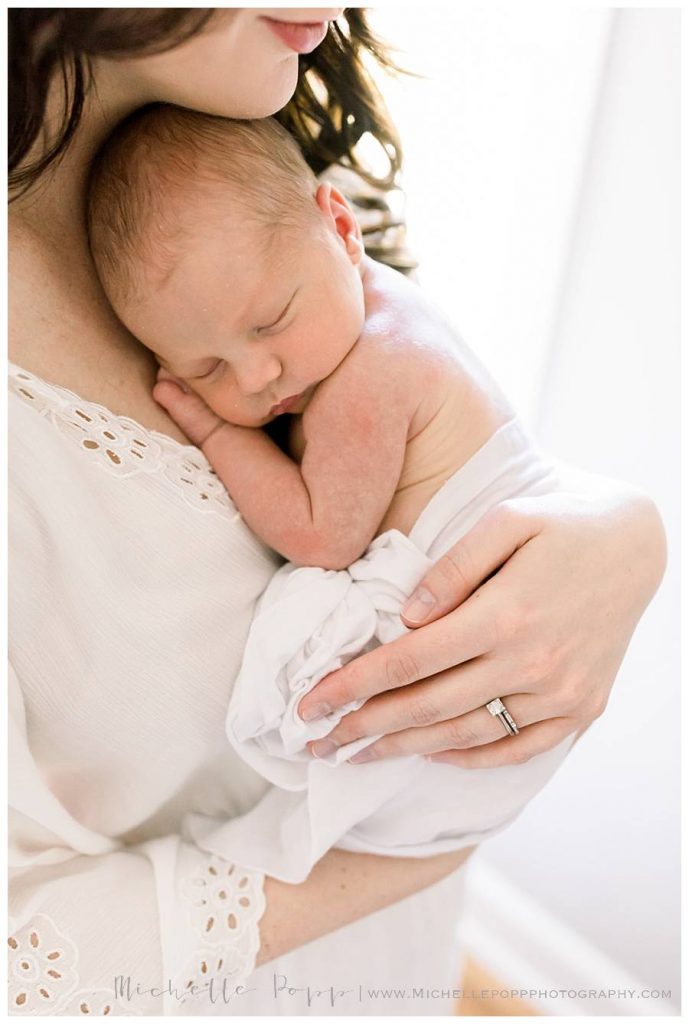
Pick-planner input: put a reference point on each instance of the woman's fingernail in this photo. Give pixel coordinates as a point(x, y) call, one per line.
point(439, 759)
point(315, 712)
point(323, 748)
point(367, 754)
point(419, 606)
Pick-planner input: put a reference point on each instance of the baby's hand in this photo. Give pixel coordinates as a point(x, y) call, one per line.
point(186, 408)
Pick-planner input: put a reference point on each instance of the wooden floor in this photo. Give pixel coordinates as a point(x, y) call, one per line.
point(477, 977)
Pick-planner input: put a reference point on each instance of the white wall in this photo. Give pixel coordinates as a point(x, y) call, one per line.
point(611, 404)
point(543, 184)
point(495, 135)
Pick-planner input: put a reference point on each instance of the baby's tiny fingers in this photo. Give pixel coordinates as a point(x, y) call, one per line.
point(164, 374)
point(187, 409)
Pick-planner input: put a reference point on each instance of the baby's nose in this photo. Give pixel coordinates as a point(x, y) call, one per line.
point(256, 372)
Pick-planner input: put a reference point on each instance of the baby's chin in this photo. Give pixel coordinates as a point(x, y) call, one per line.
point(252, 421)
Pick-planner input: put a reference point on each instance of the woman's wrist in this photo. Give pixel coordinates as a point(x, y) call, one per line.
point(630, 513)
point(342, 888)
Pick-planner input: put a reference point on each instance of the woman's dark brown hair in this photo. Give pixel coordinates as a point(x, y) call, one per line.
point(335, 103)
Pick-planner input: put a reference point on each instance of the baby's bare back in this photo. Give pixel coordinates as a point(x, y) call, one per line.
point(450, 405)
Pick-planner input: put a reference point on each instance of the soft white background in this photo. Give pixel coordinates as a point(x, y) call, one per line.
point(543, 201)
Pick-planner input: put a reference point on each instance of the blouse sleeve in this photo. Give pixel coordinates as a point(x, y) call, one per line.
point(98, 927)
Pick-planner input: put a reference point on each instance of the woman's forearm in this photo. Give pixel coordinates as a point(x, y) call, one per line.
point(636, 516)
point(342, 888)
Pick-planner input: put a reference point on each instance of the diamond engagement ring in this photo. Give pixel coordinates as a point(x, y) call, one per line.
point(497, 708)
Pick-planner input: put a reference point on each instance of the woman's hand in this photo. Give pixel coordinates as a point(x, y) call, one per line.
point(547, 633)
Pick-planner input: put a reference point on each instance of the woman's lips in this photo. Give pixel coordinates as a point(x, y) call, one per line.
point(300, 37)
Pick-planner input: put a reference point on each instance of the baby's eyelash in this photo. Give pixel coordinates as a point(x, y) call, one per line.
point(202, 376)
point(276, 323)
point(268, 327)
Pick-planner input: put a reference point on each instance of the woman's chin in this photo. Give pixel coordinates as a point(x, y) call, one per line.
point(284, 93)
point(271, 98)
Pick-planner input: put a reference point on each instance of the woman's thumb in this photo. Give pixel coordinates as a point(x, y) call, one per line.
point(468, 563)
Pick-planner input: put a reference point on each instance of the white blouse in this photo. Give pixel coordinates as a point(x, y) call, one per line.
point(133, 584)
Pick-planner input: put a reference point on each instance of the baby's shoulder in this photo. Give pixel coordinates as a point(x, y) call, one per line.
point(403, 336)
point(402, 365)
point(386, 370)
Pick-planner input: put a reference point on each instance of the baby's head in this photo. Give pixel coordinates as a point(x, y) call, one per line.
point(220, 251)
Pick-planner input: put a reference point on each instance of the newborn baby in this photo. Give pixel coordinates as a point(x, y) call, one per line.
point(220, 251)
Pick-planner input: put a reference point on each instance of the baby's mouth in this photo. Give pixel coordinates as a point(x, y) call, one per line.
point(286, 404)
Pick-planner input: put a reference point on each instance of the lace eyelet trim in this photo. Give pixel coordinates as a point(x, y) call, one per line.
point(226, 903)
point(121, 446)
point(43, 976)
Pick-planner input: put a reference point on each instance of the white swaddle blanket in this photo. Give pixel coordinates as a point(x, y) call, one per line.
point(311, 621)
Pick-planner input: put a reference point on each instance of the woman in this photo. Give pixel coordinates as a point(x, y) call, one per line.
point(126, 639)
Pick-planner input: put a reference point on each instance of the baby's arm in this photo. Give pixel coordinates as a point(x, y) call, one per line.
point(326, 511)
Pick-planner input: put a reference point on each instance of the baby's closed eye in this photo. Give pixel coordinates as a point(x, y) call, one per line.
point(208, 372)
point(280, 322)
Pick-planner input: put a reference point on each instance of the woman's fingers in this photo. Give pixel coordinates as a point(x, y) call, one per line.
point(487, 546)
point(519, 749)
point(457, 638)
point(466, 730)
point(445, 696)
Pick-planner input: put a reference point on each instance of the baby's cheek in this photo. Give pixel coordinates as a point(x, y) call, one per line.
point(233, 407)
point(222, 400)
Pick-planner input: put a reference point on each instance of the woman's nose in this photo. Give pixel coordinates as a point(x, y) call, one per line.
point(256, 372)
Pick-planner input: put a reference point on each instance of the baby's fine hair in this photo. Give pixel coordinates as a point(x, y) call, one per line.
point(160, 160)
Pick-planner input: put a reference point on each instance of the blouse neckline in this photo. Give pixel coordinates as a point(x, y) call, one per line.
point(59, 392)
point(122, 446)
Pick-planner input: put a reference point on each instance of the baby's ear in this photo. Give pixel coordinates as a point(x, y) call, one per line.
point(340, 217)
point(355, 247)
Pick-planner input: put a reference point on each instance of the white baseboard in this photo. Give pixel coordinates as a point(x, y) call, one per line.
point(542, 960)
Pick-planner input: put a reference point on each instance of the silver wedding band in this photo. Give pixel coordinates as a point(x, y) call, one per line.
point(498, 709)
